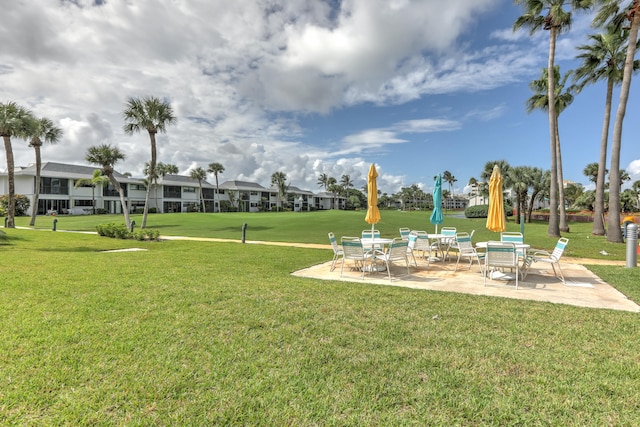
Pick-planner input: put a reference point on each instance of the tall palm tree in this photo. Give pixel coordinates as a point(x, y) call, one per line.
point(153, 115)
point(216, 169)
point(520, 178)
point(106, 156)
point(323, 179)
point(610, 10)
point(346, 182)
point(332, 187)
point(540, 100)
point(279, 180)
point(592, 171)
point(15, 121)
point(550, 15)
point(43, 130)
point(96, 179)
point(199, 174)
point(603, 59)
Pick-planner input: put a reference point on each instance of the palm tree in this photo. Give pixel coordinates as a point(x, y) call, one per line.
point(539, 100)
point(106, 157)
point(603, 59)
point(96, 179)
point(550, 15)
point(216, 169)
point(520, 178)
point(333, 188)
point(15, 121)
point(279, 180)
point(636, 188)
point(346, 182)
point(199, 174)
point(153, 115)
point(539, 183)
point(323, 179)
point(43, 130)
point(610, 11)
point(591, 171)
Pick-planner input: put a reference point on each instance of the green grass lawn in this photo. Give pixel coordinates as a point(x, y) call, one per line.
point(312, 227)
point(206, 333)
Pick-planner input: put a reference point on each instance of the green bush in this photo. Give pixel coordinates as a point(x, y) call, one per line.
point(22, 204)
point(477, 211)
point(482, 211)
point(101, 211)
point(120, 231)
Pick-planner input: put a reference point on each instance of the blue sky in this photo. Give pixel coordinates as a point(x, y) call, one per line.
point(304, 87)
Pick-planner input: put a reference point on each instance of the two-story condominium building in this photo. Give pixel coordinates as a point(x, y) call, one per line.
point(60, 193)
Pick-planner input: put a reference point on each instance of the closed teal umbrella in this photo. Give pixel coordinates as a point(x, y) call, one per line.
point(436, 215)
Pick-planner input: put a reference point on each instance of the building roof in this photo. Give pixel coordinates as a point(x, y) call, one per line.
point(182, 180)
point(242, 185)
point(63, 170)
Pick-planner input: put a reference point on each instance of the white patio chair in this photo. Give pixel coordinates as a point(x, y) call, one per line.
point(552, 258)
point(447, 241)
point(337, 251)
point(404, 233)
point(515, 237)
point(466, 250)
point(412, 238)
point(353, 250)
point(500, 255)
point(367, 234)
point(397, 252)
point(424, 245)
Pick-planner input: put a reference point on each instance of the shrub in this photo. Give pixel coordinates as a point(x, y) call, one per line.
point(101, 211)
point(22, 204)
point(120, 231)
point(482, 211)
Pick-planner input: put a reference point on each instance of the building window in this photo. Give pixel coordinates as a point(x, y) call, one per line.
point(188, 189)
point(139, 187)
point(54, 186)
point(81, 202)
point(172, 191)
point(207, 193)
point(109, 190)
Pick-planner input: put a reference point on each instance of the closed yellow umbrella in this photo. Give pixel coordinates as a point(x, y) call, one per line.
point(373, 214)
point(495, 216)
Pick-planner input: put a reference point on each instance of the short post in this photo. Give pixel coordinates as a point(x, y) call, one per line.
point(632, 245)
point(133, 224)
point(244, 231)
point(55, 224)
point(6, 222)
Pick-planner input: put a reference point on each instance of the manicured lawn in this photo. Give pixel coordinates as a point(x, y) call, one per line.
point(205, 333)
point(312, 227)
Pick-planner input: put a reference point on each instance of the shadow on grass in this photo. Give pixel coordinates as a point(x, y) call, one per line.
point(74, 249)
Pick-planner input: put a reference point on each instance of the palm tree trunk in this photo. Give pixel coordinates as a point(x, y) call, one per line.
point(554, 228)
point(152, 173)
point(11, 203)
point(564, 227)
point(36, 192)
point(598, 214)
point(123, 201)
point(614, 233)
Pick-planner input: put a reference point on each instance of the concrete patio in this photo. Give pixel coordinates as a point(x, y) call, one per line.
point(581, 288)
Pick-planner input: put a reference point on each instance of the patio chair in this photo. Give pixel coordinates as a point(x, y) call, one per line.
point(466, 250)
point(367, 234)
point(552, 258)
point(397, 252)
point(423, 244)
point(412, 238)
point(353, 250)
point(404, 233)
point(337, 251)
point(448, 240)
point(500, 255)
point(515, 237)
